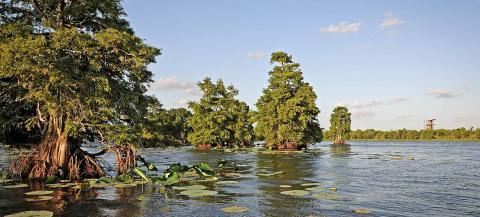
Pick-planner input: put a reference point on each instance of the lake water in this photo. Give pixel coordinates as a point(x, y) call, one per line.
point(442, 180)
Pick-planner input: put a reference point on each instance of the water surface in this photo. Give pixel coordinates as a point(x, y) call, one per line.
point(443, 179)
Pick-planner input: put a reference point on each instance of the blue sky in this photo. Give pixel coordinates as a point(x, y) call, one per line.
point(393, 63)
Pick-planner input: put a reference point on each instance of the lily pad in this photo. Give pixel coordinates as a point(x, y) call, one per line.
point(332, 189)
point(38, 193)
point(99, 185)
point(410, 158)
point(5, 181)
point(123, 185)
point(16, 186)
point(198, 193)
point(192, 187)
point(317, 188)
point(235, 209)
point(362, 211)
point(60, 185)
point(326, 196)
point(285, 186)
point(310, 184)
point(39, 198)
point(226, 182)
point(298, 193)
point(41, 213)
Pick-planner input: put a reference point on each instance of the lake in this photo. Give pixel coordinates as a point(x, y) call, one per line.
point(437, 178)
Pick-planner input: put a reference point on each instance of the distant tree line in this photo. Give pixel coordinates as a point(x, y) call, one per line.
point(405, 134)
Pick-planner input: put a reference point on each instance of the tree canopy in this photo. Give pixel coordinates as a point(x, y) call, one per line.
point(219, 119)
point(287, 112)
point(340, 122)
point(80, 66)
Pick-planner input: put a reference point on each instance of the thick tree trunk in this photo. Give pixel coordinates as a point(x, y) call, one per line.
point(53, 152)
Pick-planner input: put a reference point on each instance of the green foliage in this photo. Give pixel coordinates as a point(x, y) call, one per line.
point(165, 127)
point(125, 178)
point(204, 170)
point(177, 167)
point(142, 174)
point(340, 122)
point(286, 112)
point(405, 134)
point(218, 118)
point(77, 65)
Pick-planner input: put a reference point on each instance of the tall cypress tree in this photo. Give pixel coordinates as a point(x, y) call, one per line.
point(218, 118)
point(80, 66)
point(340, 122)
point(286, 112)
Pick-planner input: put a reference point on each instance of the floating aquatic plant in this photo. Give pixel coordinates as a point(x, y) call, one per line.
point(39, 198)
point(16, 186)
point(325, 196)
point(38, 213)
point(226, 182)
point(38, 193)
point(235, 209)
point(198, 193)
point(191, 187)
point(362, 211)
point(285, 186)
point(310, 184)
point(298, 193)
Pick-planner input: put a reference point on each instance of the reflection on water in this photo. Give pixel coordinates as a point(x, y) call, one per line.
point(340, 150)
point(443, 180)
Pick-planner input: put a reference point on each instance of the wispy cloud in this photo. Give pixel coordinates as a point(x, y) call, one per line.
point(389, 21)
point(256, 55)
point(443, 93)
point(373, 103)
point(399, 99)
point(172, 84)
point(343, 27)
point(362, 114)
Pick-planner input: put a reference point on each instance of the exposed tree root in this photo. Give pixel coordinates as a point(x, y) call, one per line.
point(81, 165)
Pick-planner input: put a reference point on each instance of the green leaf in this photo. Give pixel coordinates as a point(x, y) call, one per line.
point(124, 178)
point(142, 174)
point(51, 180)
point(106, 180)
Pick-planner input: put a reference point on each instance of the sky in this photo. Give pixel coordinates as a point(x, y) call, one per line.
point(394, 64)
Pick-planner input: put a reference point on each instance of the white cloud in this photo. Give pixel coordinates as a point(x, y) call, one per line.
point(443, 93)
point(399, 99)
point(343, 27)
point(182, 103)
point(373, 103)
point(390, 21)
point(172, 84)
point(257, 55)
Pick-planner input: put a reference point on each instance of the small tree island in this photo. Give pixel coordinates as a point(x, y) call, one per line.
point(340, 122)
point(287, 112)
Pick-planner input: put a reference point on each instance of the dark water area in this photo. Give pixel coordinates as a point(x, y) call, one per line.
point(389, 178)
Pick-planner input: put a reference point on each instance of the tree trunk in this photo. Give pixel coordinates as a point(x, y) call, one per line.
point(53, 152)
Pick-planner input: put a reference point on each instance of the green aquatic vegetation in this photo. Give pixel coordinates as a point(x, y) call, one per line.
point(51, 180)
point(142, 174)
point(124, 178)
point(234, 209)
point(38, 193)
point(16, 186)
point(100, 185)
point(106, 180)
point(325, 196)
point(168, 178)
point(192, 187)
point(39, 198)
point(317, 188)
point(65, 185)
point(198, 193)
point(124, 185)
point(285, 186)
point(410, 158)
point(298, 193)
point(38, 213)
point(177, 167)
point(226, 182)
point(362, 211)
point(310, 184)
point(204, 170)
